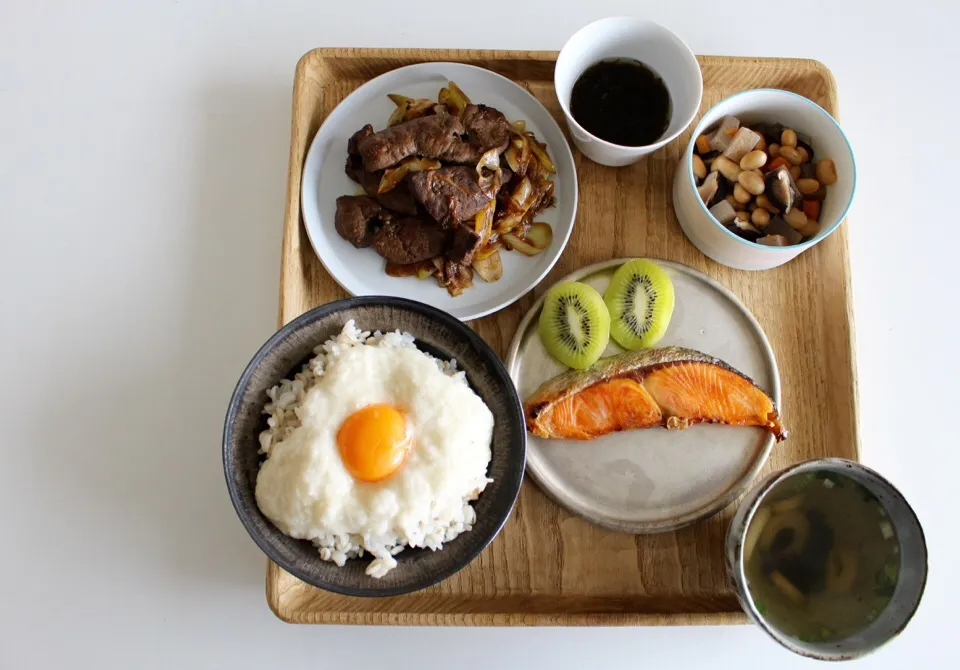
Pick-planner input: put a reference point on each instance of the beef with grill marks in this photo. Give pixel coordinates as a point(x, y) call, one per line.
point(487, 128)
point(358, 218)
point(435, 136)
point(463, 245)
point(452, 194)
point(441, 136)
point(398, 199)
point(410, 240)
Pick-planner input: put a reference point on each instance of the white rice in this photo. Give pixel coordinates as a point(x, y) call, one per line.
point(282, 410)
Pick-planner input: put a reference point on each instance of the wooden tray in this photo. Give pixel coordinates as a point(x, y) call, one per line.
point(548, 567)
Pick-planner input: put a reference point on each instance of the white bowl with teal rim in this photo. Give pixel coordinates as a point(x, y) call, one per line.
point(905, 589)
point(770, 106)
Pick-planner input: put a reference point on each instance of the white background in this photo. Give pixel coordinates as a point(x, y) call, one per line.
point(143, 157)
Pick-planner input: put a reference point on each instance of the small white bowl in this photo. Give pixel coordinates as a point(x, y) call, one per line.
point(771, 106)
point(642, 40)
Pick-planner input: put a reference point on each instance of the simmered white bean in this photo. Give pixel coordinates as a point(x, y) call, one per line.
point(808, 186)
point(727, 168)
point(752, 181)
point(791, 154)
point(753, 160)
point(796, 218)
point(826, 172)
point(699, 167)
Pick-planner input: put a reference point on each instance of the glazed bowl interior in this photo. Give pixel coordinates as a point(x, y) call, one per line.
point(438, 334)
point(806, 117)
point(910, 581)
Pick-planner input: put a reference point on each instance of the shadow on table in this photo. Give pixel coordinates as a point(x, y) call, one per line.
point(155, 473)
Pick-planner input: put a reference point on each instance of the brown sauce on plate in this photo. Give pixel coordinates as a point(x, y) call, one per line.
point(621, 101)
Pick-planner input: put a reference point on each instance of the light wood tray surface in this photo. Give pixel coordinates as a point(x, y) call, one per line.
point(548, 567)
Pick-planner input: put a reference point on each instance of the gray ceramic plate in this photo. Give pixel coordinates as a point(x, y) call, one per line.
point(440, 335)
point(646, 481)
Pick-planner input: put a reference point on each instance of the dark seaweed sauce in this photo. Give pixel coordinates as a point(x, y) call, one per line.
point(621, 101)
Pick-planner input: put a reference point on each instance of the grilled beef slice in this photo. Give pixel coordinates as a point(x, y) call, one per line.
point(487, 128)
point(441, 136)
point(410, 240)
point(398, 199)
point(463, 245)
point(451, 194)
point(357, 219)
point(435, 136)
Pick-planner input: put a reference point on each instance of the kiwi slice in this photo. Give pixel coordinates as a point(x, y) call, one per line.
point(574, 324)
point(640, 300)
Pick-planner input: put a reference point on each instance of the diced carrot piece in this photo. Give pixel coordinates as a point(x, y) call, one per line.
point(812, 209)
point(775, 163)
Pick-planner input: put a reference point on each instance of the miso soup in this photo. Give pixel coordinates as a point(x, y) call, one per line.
point(821, 557)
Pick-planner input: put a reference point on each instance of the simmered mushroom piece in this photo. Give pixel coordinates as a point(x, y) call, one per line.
point(744, 229)
point(781, 189)
point(778, 227)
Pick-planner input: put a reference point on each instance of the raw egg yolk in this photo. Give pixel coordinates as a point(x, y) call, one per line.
point(373, 442)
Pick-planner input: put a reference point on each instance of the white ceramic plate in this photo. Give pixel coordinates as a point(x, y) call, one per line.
point(645, 481)
point(360, 271)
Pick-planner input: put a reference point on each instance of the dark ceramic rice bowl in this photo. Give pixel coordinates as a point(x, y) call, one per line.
point(436, 333)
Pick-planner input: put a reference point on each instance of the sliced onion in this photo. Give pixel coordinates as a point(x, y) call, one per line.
point(393, 176)
point(490, 161)
point(456, 277)
point(540, 235)
point(399, 99)
point(483, 221)
point(486, 251)
point(490, 268)
point(397, 116)
point(453, 98)
point(518, 126)
point(426, 269)
point(423, 164)
point(509, 222)
point(540, 151)
point(418, 108)
point(513, 158)
point(519, 244)
point(523, 196)
point(445, 99)
point(459, 97)
point(521, 146)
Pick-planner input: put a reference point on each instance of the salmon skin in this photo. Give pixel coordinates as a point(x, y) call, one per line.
point(670, 386)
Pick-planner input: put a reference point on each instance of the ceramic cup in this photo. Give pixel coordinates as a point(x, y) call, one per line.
point(911, 579)
point(794, 111)
point(652, 45)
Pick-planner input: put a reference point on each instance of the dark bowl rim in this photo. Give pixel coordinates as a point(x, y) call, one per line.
point(422, 309)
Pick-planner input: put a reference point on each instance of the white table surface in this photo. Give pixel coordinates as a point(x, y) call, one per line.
point(143, 155)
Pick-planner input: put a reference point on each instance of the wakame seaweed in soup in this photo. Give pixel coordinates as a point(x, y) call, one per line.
point(821, 556)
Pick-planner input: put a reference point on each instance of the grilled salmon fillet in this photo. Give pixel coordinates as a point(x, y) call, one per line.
point(671, 386)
